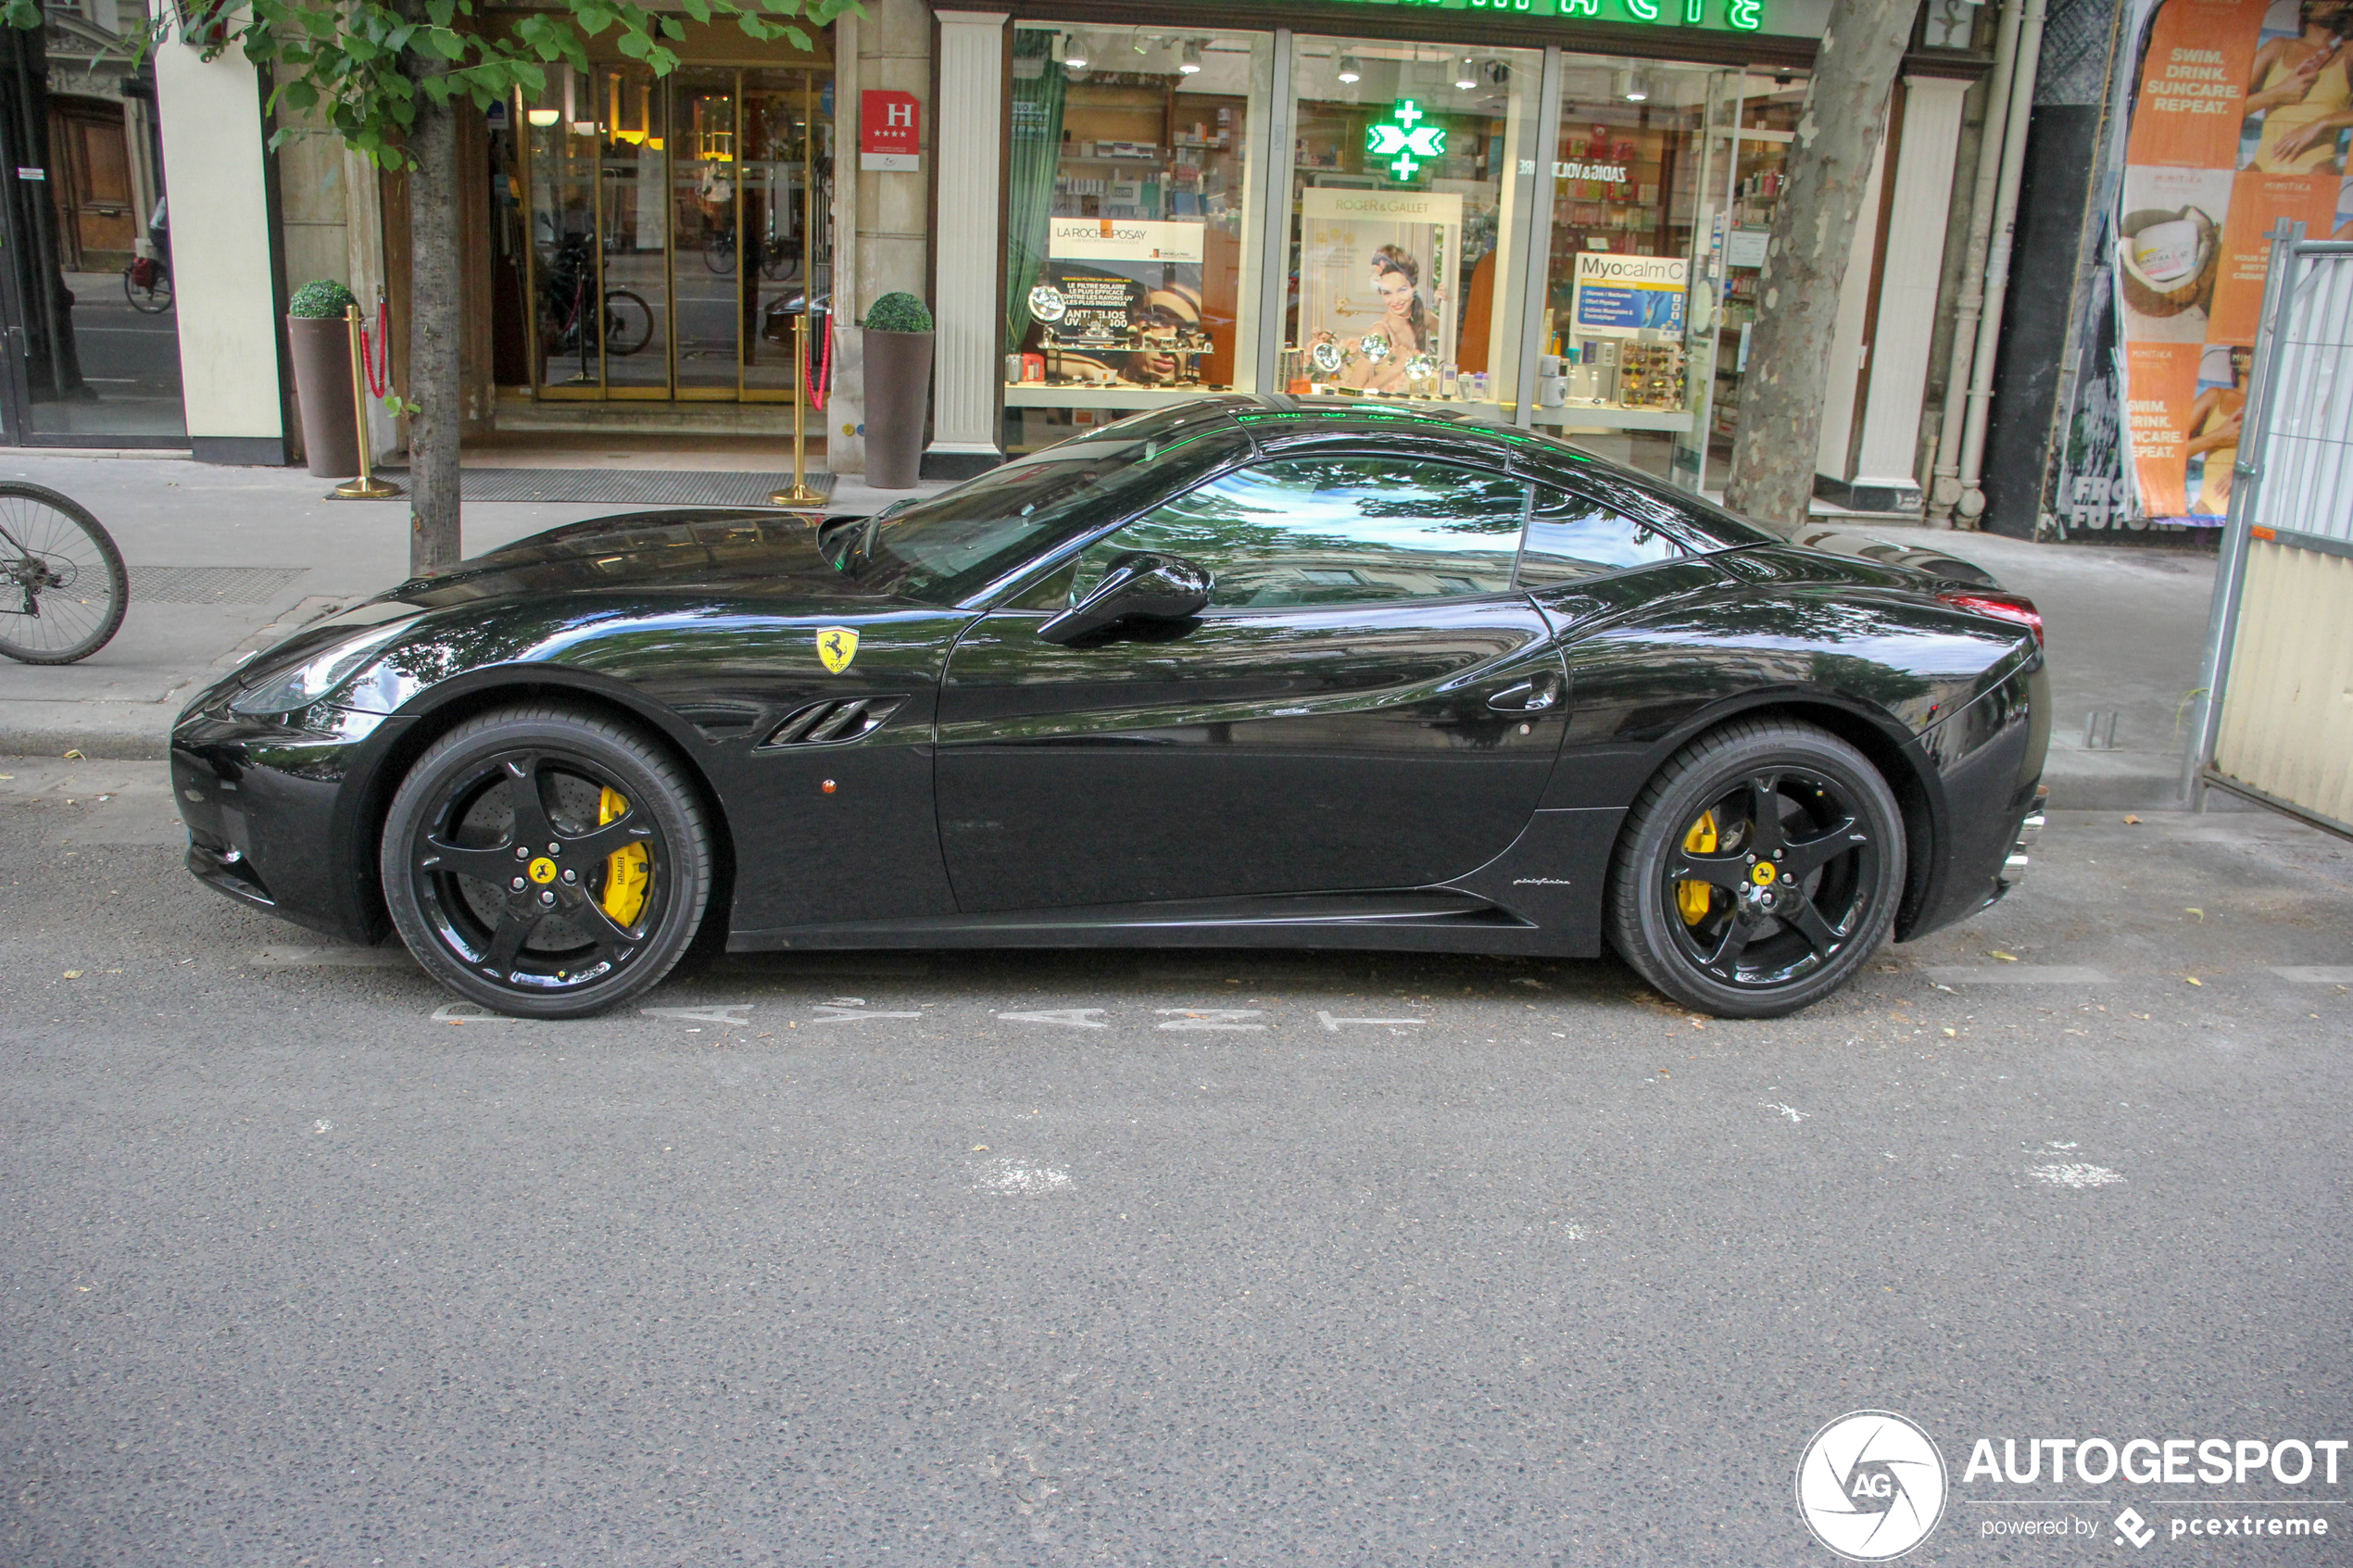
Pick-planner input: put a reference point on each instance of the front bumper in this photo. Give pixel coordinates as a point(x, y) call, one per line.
point(280, 819)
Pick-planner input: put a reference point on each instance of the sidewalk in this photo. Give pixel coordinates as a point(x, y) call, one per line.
point(2126, 624)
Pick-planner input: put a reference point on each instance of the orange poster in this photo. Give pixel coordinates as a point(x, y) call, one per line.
point(2163, 381)
point(2257, 202)
point(2241, 118)
point(2194, 83)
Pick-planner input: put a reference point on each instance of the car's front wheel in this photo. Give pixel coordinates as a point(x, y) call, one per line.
point(1757, 871)
point(547, 863)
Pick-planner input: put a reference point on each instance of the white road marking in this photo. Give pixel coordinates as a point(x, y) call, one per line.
point(1333, 1023)
point(1020, 1176)
point(473, 1013)
point(1077, 1018)
point(2017, 974)
point(724, 1012)
point(2072, 1174)
point(2315, 974)
point(332, 957)
point(1209, 1017)
point(834, 1014)
point(1779, 1109)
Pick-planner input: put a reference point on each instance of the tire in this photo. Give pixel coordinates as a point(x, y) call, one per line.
point(571, 941)
point(1753, 792)
point(629, 323)
point(63, 589)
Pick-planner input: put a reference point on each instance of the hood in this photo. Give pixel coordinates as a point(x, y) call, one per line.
point(1837, 541)
point(751, 556)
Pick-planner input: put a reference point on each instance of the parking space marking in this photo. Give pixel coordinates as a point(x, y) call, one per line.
point(1077, 1018)
point(1209, 1017)
point(830, 1013)
point(473, 1013)
point(289, 957)
point(724, 1012)
point(2315, 974)
point(2017, 974)
point(1333, 1023)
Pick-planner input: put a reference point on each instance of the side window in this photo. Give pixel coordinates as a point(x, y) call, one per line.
point(1306, 530)
point(1569, 537)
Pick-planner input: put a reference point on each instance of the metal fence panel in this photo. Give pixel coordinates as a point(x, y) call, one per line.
point(2277, 720)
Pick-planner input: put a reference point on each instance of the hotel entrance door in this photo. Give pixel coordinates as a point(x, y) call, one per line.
point(679, 226)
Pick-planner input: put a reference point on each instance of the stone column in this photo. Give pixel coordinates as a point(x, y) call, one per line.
point(968, 140)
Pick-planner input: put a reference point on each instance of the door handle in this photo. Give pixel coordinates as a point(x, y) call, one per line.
point(1528, 696)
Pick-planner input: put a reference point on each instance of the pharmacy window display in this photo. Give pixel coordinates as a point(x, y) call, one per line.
point(1125, 220)
point(1399, 209)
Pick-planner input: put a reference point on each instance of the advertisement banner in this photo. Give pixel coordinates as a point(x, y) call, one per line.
point(1377, 311)
point(1124, 239)
point(1624, 295)
point(2239, 120)
point(1120, 300)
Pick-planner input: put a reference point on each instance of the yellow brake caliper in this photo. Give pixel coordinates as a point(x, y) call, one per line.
point(627, 869)
point(1691, 898)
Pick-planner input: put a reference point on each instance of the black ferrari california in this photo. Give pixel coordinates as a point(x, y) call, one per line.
point(1243, 673)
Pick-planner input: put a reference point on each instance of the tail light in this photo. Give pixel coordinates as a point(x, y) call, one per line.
point(2001, 607)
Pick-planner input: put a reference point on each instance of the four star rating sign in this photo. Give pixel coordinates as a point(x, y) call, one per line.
point(1404, 140)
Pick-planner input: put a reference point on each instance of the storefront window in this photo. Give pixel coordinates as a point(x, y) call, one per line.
point(1402, 215)
point(1124, 222)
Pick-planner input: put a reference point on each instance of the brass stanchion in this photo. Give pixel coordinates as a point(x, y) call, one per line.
point(799, 493)
point(367, 487)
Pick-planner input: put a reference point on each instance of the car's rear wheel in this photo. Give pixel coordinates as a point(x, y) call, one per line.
point(546, 862)
point(1759, 870)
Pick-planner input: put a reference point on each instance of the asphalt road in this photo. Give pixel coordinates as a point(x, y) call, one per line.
point(1164, 1258)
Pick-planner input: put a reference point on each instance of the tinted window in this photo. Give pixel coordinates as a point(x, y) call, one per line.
point(949, 546)
point(1334, 531)
point(1569, 536)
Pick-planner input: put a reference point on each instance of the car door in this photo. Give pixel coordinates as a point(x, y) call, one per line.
point(1367, 702)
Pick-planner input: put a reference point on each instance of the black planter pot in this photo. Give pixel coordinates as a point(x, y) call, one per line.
point(897, 396)
point(321, 354)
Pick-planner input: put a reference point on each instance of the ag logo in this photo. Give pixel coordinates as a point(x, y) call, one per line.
point(836, 645)
point(1870, 1486)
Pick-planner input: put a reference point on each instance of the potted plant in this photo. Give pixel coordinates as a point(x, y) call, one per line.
point(321, 342)
point(898, 389)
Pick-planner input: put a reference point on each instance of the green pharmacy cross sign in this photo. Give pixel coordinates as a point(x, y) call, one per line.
point(1404, 140)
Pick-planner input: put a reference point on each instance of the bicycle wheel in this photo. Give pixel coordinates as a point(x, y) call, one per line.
point(155, 297)
point(629, 324)
point(719, 252)
point(62, 586)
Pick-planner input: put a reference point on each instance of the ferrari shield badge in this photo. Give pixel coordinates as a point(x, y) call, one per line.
point(836, 645)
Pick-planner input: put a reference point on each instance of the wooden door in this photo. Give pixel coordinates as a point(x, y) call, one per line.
point(95, 216)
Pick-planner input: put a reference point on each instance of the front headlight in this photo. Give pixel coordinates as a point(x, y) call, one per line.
point(322, 673)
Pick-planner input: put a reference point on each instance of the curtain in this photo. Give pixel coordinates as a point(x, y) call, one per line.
point(1037, 156)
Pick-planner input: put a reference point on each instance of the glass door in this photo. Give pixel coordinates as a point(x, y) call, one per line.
point(678, 230)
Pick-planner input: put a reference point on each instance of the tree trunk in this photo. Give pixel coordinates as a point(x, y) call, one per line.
point(1830, 164)
point(433, 376)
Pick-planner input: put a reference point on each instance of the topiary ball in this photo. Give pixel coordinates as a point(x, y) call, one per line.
point(325, 298)
point(898, 313)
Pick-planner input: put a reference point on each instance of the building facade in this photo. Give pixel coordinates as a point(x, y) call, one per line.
point(1551, 210)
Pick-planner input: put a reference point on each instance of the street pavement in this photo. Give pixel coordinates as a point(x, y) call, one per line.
point(1167, 1258)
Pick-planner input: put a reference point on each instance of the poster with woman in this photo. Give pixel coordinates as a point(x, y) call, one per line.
point(2240, 119)
point(1376, 290)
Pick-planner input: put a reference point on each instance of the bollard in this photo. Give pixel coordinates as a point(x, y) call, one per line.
point(367, 487)
point(800, 492)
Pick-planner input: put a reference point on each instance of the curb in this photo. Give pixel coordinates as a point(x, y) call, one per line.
point(101, 746)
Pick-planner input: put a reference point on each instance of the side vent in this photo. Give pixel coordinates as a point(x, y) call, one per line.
point(722, 720)
point(834, 721)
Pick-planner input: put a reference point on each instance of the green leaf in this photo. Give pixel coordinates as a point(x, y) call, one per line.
point(633, 45)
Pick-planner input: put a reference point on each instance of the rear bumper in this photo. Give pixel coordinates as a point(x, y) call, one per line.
point(1989, 760)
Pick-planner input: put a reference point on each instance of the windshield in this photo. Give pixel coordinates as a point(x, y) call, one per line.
point(949, 547)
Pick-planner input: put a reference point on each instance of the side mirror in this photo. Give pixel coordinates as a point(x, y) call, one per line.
point(1141, 585)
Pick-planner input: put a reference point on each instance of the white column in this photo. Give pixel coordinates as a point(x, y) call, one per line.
point(210, 114)
point(1889, 454)
point(969, 250)
point(1847, 348)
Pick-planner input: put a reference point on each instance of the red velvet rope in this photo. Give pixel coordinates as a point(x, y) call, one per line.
point(376, 366)
point(822, 388)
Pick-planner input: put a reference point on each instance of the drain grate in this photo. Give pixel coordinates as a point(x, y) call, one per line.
point(210, 584)
point(632, 487)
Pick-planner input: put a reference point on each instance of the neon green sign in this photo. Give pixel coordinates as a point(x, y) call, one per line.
point(1404, 140)
point(1716, 16)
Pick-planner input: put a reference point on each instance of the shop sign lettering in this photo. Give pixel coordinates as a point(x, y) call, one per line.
point(1742, 15)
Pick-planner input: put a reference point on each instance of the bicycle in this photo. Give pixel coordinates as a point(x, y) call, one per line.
point(63, 589)
point(147, 283)
point(628, 324)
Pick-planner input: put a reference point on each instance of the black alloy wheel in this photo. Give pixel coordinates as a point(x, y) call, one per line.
point(1759, 870)
point(546, 862)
